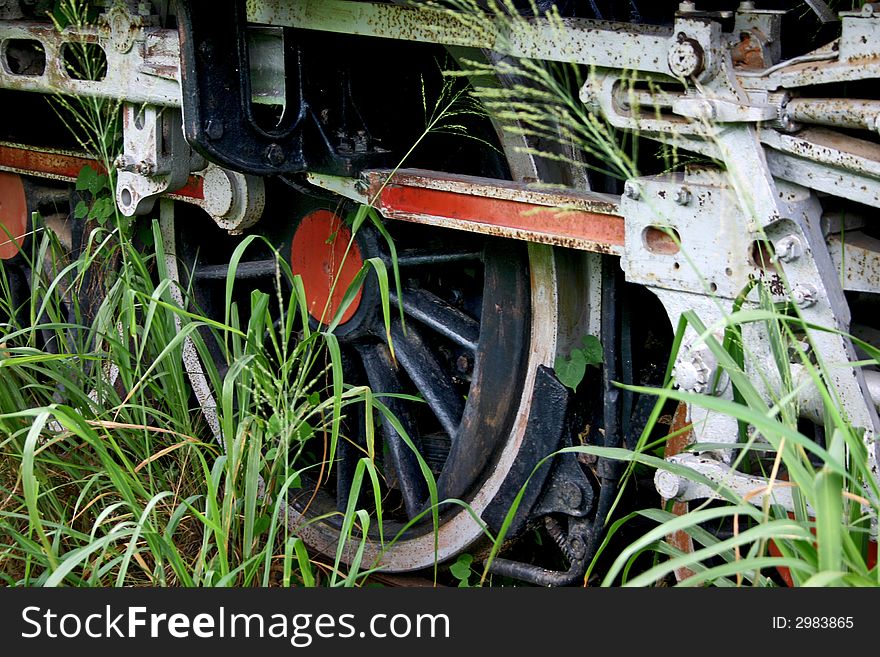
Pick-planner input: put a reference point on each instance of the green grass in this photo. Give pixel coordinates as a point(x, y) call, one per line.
point(111, 476)
point(118, 480)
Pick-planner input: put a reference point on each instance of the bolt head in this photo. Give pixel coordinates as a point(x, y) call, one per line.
point(685, 58)
point(572, 495)
point(275, 155)
point(805, 295)
point(219, 189)
point(669, 485)
point(464, 363)
point(789, 249)
point(577, 547)
point(682, 196)
point(214, 129)
point(691, 375)
point(631, 191)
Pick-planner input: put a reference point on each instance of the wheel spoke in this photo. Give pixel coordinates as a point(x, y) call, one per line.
point(421, 258)
point(254, 269)
point(383, 378)
point(429, 377)
point(443, 318)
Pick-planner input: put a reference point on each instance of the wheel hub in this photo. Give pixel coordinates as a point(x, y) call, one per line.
point(13, 215)
point(318, 255)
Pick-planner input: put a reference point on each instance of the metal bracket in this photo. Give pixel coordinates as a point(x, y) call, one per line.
point(219, 118)
point(551, 491)
point(156, 159)
point(567, 495)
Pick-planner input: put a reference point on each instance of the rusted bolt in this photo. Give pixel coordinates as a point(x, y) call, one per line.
point(145, 168)
point(685, 57)
point(214, 129)
point(805, 295)
point(789, 248)
point(123, 163)
point(275, 155)
point(631, 191)
point(572, 495)
point(682, 196)
point(464, 363)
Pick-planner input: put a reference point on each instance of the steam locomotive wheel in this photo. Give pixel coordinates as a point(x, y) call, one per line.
point(481, 315)
point(479, 318)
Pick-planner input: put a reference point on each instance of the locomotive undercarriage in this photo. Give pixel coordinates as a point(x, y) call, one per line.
point(796, 179)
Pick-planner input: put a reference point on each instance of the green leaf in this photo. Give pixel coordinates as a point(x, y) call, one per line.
point(592, 350)
point(571, 371)
point(828, 488)
point(305, 431)
point(84, 180)
point(81, 210)
point(145, 235)
point(461, 569)
point(98, 183)
point(262, 524)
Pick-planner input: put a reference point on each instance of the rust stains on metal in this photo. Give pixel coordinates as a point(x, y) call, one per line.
point(680, 436)
point(577, 220)
point(57, 164)
point(747, 53)
point(46, 163)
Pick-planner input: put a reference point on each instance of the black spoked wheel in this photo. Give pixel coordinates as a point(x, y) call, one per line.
point(457, 381)
point(464, 332)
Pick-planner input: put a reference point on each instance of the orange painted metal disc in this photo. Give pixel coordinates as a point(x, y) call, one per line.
point(13, 215)
point(318, 255)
